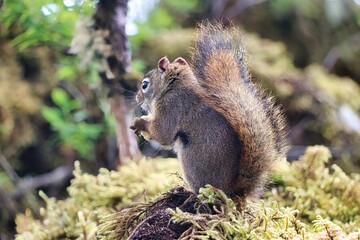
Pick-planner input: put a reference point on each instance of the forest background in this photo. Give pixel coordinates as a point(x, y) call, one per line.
point(69, 72)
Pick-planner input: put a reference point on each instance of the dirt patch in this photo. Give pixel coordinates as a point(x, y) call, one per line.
point(157, 223)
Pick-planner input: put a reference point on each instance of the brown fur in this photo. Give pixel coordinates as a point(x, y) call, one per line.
point(230, 91)
point(228, 133)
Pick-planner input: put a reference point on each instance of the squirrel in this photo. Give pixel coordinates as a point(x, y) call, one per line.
point(226, 131)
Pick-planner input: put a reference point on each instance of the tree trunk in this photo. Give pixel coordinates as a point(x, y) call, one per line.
point(111, 16)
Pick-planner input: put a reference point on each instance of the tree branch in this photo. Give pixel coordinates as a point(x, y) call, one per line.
point(8, 169)
point(55, 177)
point(334, 53)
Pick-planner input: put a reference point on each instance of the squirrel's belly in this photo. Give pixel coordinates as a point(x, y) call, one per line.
point(209, 150)
point(201, 169)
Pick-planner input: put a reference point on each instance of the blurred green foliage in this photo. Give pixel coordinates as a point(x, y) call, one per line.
point(68, 120)
point(48, 22)
point(284, 7)
point(51, 23)
point(336, 11)
point(166, 15)
point(4, 179)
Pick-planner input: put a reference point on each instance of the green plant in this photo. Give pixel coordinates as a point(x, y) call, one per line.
point(68, 121)
point(48, 22)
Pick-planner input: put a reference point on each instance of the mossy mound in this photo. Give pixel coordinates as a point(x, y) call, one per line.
point(308, 201)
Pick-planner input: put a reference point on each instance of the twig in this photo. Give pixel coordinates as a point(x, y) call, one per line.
point(54, 177)
point(9, 169)
point(334, 53)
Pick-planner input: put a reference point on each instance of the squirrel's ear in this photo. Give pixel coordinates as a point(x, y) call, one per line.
point(163, 63)
point(181, 61)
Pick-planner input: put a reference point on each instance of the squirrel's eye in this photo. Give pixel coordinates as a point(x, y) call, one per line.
point(145, 85)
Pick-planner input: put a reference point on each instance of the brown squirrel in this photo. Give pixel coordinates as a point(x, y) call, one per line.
point(225, 130)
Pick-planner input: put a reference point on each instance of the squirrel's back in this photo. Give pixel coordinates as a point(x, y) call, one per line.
point(218, 62)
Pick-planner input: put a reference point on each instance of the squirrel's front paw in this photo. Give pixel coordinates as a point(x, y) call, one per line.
point(139, 125)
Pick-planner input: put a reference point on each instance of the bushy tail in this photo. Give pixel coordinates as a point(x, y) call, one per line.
point(218, 61)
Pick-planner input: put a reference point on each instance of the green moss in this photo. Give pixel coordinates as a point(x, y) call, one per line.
point(316, 190)
point(91, 196)
point(340, 90)
point(16, 112)
point(310, 201)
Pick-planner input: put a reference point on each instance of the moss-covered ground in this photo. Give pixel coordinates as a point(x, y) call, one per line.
point(309, 199)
